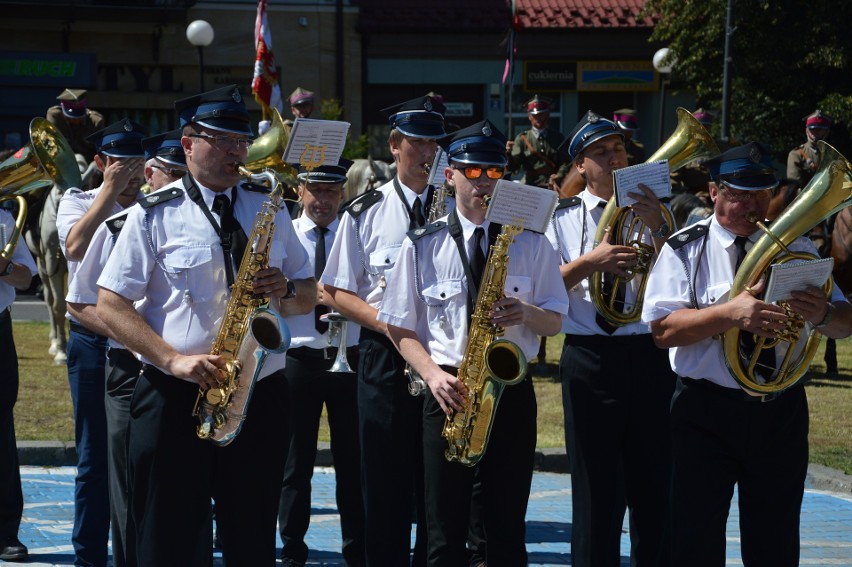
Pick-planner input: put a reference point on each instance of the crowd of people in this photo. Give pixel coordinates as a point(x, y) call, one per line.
point(656, 425)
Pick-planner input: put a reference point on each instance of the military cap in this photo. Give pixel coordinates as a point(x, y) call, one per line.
point(326, 173)
point(482, 144)
point(301, 96)
point(591, 128)
point(122, 139)
point(747, 167)
point(705, 117)
point(166, 148)
point(421, 117)
point(73, 102)
point(626, 119)
point(221, 109)
point(538, 104)
point(818, 120)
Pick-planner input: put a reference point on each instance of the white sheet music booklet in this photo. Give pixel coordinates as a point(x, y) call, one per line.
point(522, 205)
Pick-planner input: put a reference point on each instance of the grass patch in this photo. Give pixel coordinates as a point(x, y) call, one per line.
point(43, 411)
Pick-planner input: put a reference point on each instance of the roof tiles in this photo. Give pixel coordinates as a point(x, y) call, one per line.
point(582, 14)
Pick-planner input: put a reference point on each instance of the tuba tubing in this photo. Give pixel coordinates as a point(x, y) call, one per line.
point(689, 142)
point(829, 191)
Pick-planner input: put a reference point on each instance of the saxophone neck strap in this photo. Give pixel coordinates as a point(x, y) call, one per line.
point(224, 237)
point(458, 236)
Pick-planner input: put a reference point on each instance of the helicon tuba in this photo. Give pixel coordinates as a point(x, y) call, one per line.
point(689, 142)
point(26, 175)
point(250, 331)
point(266, 154)
point(829, 191)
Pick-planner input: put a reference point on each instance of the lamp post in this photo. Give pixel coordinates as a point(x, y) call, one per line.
point(200, 34)
point(664, 60)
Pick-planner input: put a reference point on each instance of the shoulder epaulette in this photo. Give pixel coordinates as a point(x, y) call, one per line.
point(115, 224)
point(685, 236)
point(424, 230)
point(364, 202)
point(73, 191)
point(159, 197)
point(569, 202)
point(254, 187)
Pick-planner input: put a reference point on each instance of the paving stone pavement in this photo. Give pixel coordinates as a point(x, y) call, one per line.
point(49, 511)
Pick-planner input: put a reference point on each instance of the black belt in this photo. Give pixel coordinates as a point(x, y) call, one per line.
point(327, 353)
point(737, 394)
point(78, 328)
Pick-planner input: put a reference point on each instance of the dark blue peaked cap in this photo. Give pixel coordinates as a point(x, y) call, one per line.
point(483, 143)
point(747, 167)
point(222, 109)
point(122, 139)
point(166, 148)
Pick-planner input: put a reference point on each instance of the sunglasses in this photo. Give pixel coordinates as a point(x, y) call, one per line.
point(475, 171)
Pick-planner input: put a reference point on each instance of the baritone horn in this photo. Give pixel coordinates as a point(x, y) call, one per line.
point(689, 142)
point(829, 191)
point(267, 153)
point(30, 171)
point(338, 324)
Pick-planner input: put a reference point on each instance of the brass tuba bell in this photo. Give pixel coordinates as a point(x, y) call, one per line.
point(689, 142)
point(267, 151)
point(30, 171)
point(829, 191)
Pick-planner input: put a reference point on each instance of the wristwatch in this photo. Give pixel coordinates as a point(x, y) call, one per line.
point(8, 271)
point(829, 314)
point(663, 231)
point(291, 290)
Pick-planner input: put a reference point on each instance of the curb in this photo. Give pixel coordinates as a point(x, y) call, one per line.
point(554, 459)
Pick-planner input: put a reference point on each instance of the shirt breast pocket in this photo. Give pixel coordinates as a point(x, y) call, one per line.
point(442, 291)
point(445, 301)
point(385, 258)
point(192, 267)
point(715, 293)
point(518, 286)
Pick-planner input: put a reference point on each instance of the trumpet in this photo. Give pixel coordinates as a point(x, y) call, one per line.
point(338, 324)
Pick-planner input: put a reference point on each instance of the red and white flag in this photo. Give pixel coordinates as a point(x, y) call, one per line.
point(265, 86)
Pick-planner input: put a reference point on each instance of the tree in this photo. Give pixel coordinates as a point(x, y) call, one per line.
point(789, 57)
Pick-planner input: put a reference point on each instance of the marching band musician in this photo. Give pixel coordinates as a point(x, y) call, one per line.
point(165, 163)
point(722, 435)
point(359, 267)
point(616, 386)
point(312, 352)
point(120, 157)
point(172, 252)
point(427, 310)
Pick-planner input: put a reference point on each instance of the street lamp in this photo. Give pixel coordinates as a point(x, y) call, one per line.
point(200, 34)
point(664, 60)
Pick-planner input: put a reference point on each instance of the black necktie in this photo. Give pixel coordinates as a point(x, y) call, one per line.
point(417, 212)
point(477, 260)
point(740, 242)
point(319, 266)
point(234, 239)
point(766, 358)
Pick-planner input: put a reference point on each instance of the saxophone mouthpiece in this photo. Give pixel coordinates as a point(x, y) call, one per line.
point(427, 167)
point(752, 218)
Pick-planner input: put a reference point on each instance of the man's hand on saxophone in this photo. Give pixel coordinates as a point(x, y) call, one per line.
point(206, 370)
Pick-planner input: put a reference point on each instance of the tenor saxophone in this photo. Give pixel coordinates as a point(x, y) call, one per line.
point(489, 364)
point(250, 330)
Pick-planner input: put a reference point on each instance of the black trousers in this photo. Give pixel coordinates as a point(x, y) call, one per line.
point(720, 440)
point(122, 373)
point(391, 454)
point(616, 393)
point(11, 495)
point(504, 475)
point(174, 475)
point(311, 386)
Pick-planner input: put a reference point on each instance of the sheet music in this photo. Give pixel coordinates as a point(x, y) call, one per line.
point(522, 205)
point(436, 173)
point(314, 143)
point(654, 174)
point(796, 275)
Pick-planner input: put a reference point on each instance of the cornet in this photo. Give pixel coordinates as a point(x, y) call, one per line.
point(337, 328)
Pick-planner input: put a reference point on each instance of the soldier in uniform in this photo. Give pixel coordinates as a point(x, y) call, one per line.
point(76, 121)
point(616, 385)
point(175, 252)
point(803, 161)
point(535, 150)
point(427, 315)
point(723, 436)
point(627, 121)
point(359, 266)
point(313, 351)
point(301, 103)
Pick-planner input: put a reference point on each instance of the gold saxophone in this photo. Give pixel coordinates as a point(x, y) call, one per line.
point(438, 208)
point(489, 364)
point(250, 331)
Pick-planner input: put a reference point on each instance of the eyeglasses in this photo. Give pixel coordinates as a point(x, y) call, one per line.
point(738, 195)
point(475, 171)
point(171, 172)
point(228, 141)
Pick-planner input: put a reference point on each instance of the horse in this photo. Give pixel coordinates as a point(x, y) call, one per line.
point(366, 174)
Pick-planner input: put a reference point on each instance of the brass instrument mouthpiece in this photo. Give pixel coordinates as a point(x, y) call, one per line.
point(427, 167)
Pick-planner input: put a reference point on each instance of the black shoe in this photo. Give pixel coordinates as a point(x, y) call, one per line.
point(287, 562)
point(14, 550)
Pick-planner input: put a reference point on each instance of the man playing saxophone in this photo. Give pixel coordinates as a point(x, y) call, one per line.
point(722, 435)
point(427, 307)
point(180, 250)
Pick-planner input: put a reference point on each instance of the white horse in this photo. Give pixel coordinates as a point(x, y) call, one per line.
point(366, 174)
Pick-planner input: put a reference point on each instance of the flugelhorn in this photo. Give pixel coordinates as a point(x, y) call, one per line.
point(689, 142)
point(338, 325)
point(829, 191)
